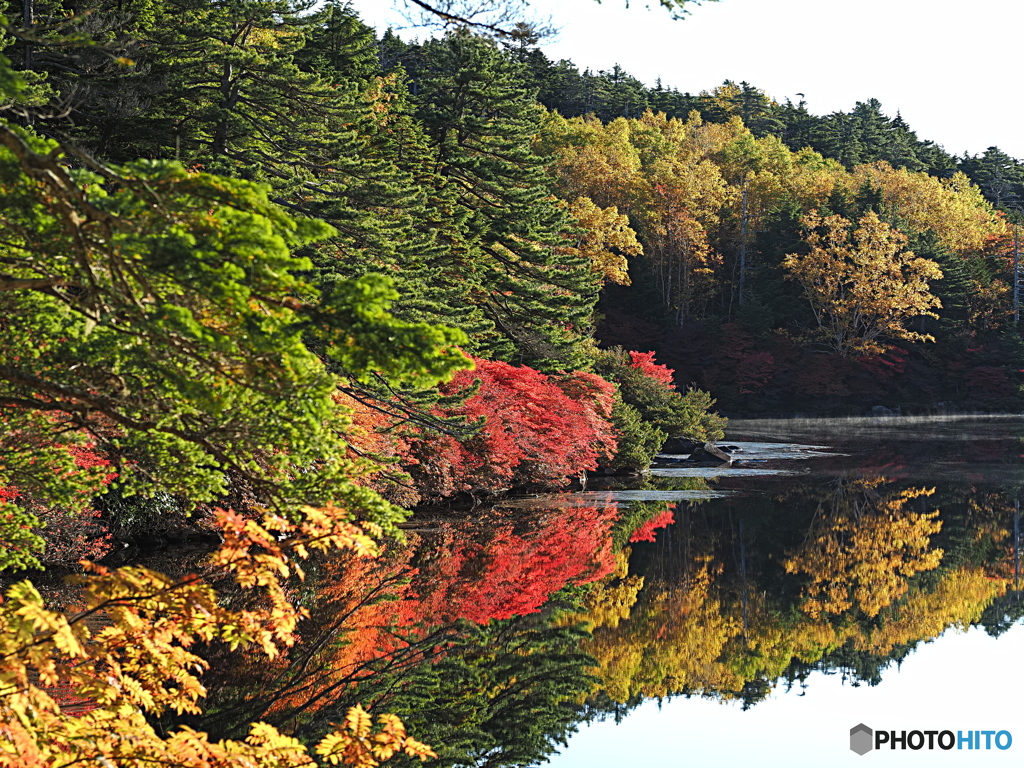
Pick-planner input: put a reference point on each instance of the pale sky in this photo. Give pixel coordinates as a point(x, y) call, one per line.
point(951, 68)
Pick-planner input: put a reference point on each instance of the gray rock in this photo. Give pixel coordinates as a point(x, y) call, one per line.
point(680, 446)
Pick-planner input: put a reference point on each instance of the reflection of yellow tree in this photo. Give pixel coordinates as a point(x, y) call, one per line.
point(609, 600)
point(988, 513)
point(775, 638)
point(864, 551)
point(693, 632)
point(956, 601)
point(673, 641)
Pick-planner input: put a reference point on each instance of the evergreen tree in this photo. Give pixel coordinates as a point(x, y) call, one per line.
point(798, 124)
point(163, 323)
point(625, 96)
point(563, 90)
point(481, 120)
point(953, 288)
point(1000, 177)
point(338, 46)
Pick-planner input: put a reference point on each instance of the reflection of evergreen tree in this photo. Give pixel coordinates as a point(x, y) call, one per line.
point(1004, 613)
point(855, 666)
point(502, 695)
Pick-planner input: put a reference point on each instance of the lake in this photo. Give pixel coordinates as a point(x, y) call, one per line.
point(870, 579)
point(840, 572)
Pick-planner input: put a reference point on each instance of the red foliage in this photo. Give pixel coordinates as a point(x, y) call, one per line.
point(989, 381)
point(644, 362)
point(739, 363)
point(754, 372)
point(648, 531)
point(823, 375)
point(886, 365)
point(69, 537)
point(372, 435)
point(66, 696)
point(537, 430)
point(86, 458)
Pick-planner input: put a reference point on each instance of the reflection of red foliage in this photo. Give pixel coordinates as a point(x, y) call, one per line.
point(648, 531)
point(644, 362)
point(496, 566)
point(502, 568)
point(391, 609)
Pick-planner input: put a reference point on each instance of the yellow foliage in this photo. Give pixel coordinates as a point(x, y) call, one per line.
point(592, 160)
point(988, 305)
point(862, 284)
point(954, 209)
point(606, 239)
point(356, 744)
point(136, 659)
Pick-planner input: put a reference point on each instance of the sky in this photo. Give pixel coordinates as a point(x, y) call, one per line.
point(952, 69)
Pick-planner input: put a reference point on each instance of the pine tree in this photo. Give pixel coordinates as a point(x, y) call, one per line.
point(481, 121)
point(1000, 177)
point(338, 46)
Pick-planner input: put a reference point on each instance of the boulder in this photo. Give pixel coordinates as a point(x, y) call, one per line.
point(680, 446)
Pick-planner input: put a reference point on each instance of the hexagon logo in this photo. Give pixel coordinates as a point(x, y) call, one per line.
point(860, 739)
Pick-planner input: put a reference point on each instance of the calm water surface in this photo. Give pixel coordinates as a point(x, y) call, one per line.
point(844, 572)
point(840, 572)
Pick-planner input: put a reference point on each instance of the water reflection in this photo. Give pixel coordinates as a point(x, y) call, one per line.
point(495, 631)
point(835, 575)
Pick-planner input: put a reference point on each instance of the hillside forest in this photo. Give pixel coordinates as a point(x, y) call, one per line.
point(282, 299)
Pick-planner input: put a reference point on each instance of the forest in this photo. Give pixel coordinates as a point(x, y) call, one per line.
point(287, 306)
